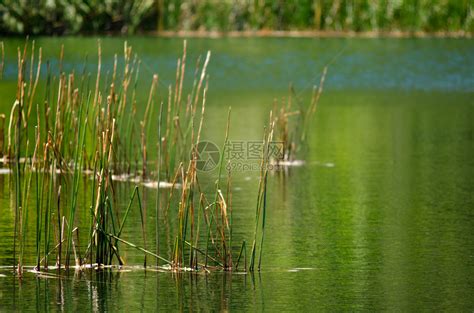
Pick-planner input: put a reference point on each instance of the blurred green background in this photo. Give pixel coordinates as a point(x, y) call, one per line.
point(47, 17)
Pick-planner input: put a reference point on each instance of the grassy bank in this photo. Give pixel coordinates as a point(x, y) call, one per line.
point(127, 16)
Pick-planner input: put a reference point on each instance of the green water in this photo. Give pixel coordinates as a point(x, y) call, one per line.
point(379, 218)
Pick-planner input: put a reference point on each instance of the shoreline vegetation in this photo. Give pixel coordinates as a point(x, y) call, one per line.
point(344, 17)
point(214, 34)
point(81, 125)
point(308, 34)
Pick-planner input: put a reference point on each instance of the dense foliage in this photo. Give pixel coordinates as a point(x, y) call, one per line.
point(129, 16)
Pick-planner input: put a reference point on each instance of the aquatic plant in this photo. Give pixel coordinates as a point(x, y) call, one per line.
point(261, 207)
point(292, 122)
point(82, 137)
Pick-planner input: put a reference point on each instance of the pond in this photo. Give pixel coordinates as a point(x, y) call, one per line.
point(379, 217)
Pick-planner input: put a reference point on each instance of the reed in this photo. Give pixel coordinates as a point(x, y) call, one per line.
point(158, 177)
point(292, 123)
point(260, 211)
point(221, 203)
point(213, 216)
point(87, 128)
point(19, 104)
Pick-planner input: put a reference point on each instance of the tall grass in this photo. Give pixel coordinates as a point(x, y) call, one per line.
point(82, 129)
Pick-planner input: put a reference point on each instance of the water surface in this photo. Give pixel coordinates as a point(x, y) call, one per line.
point(379, 218)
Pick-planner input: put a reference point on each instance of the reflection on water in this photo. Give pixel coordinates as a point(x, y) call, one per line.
point(132, 289)
point(379, 217)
